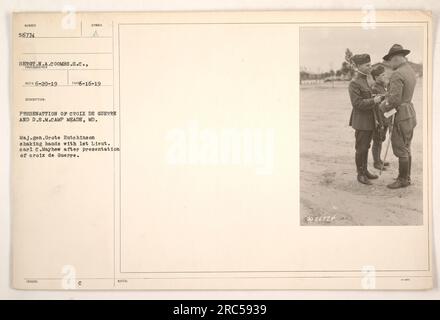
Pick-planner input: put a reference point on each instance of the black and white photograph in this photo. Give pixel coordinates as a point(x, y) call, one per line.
point(361, 125)
point(197, 151)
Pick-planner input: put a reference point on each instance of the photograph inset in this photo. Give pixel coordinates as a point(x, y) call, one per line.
point(361, 126)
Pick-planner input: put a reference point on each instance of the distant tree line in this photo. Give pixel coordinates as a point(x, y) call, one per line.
point(345, 72)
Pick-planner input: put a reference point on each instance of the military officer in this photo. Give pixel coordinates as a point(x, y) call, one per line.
point(362, 115)
point(379, 133)
point(401, 89)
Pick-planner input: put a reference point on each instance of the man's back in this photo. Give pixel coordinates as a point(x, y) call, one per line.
point(402, 84)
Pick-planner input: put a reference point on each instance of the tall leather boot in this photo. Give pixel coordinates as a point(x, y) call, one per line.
point(359, 158)
point(376, 150)
point(409, 168)
point(368, 174)
point(402, 180)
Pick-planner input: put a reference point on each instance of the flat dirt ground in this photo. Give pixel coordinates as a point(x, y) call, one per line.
point(330, 193)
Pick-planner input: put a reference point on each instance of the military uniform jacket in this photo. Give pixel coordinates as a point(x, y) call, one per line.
point(400, 93)
point(362, 115)
point(378, 88)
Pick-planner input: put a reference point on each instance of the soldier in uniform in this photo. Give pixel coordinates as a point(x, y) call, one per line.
point(362, 115)
point(401, 89)
point(381, 127)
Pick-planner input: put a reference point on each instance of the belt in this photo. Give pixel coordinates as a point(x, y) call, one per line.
point(405, 104)
point(405, 111)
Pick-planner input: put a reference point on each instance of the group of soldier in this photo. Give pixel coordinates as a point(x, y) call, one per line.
point(386, 106)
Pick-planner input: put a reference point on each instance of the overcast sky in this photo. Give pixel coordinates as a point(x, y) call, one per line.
point(322, 49)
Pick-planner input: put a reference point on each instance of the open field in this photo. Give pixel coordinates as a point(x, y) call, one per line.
point(330, 193)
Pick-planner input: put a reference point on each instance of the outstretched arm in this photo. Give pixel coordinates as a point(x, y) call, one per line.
point(394, 98)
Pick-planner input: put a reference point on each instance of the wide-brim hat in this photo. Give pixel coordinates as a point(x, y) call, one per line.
point(395, 50)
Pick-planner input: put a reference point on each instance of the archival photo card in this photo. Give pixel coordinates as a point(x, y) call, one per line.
point(221, 150)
